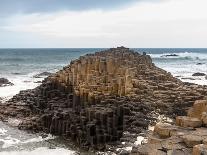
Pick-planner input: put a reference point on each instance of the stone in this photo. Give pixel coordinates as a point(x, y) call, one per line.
point(5, 82)
point(170, 55)
point(185, 121)
point(199, 74)
point(124, 152)
point(200, 149)
point(198, 107)
point(43, 74)
point(164, 129)
point(192, 140)
point(204, 118)
point(200, 63)
point(176, 152)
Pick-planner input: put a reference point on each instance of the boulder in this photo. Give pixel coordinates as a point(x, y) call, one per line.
point(5, 82)
point(151, 149)
point(164, 129)
point(43, 74)
point(170, 55)
point(200, 63)
point(200, 149)
point(198, 108)
point(185, 121)
point(199, 74)
point(192, 140)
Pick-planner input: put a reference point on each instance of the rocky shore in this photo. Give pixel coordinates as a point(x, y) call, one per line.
point(100, 97)
point(187, 136)
point(5, 82)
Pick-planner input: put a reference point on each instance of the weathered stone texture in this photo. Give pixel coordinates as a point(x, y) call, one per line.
point(189, 134)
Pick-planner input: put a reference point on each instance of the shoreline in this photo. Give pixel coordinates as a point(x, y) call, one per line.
point(27, 124)
point(129, 141)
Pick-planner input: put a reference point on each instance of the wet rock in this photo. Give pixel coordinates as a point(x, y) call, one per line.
point(170, 55)
point(187, 78)
point(200, 63)
point(199, 74)
point(5, 82)
point(43, 74)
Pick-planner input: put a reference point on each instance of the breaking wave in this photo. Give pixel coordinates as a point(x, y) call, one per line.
point(181, 56)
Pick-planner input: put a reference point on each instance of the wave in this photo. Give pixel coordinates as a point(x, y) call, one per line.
point(12, 59)
point(181, 56)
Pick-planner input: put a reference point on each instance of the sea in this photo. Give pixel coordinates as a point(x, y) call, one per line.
point(20, 66)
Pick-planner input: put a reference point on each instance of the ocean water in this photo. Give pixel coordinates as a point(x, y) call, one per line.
point(21, 65)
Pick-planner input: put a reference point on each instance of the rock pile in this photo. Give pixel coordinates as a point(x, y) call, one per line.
point(188, 136)
point(98, 96)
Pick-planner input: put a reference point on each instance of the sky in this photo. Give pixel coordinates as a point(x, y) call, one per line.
point(103, 24)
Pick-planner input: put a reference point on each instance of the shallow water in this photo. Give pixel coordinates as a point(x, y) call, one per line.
point(18, 142)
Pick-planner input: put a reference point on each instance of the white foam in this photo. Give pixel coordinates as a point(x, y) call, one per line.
point(40, 151)
point(181, 55)
point(3, 131)
point(21, 82)
point(39, 139)
point(139, 140)
point(128, 148)
point(10, 141)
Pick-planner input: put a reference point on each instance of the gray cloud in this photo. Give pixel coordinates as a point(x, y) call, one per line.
point(32, 6)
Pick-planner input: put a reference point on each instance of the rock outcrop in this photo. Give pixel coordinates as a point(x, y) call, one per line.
point(199, 74)
point(5, 82)
point(43, 74)
point(99, 96)
point(188, 136)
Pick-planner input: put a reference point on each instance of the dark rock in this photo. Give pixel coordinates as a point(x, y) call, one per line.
point(170, 55)
point(199, 74)
point(187, 78)
point(43, 74)
point(5, 82)
point(200, 63)
point(38, 82)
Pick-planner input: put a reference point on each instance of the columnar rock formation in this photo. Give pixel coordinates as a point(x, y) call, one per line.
point(188, 136)
point(98, 96)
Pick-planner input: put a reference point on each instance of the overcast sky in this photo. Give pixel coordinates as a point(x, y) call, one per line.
point(104, 23)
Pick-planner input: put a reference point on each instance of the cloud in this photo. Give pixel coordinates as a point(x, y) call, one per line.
point(8, 7)
point(173, 23)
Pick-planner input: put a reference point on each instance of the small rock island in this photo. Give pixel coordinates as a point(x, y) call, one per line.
point(99, 96)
